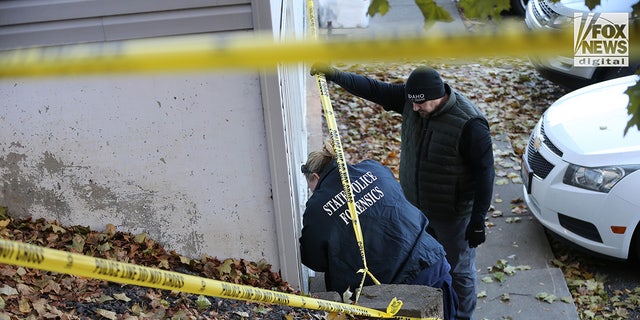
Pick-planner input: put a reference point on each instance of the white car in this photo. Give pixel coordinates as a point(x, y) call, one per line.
point(581, 173)
point(558, 14)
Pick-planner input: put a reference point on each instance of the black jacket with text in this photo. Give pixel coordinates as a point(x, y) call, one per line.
point(397, 245)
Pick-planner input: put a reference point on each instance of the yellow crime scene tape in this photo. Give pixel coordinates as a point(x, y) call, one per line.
point(261, 50)
point(250, 52)
point(342, 164)
point(31, 256)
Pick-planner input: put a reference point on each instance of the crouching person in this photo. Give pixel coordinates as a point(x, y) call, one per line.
point(398, 248)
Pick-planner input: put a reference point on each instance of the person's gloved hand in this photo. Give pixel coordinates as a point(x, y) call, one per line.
point(323, 68)
point(475, 231)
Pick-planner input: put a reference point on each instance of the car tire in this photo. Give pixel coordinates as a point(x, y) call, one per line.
point(519, 7)
point(634, 248)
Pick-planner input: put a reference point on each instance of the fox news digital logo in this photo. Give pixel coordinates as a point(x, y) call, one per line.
point(601, 39)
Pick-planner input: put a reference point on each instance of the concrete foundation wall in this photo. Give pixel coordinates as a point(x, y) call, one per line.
point(181, 157)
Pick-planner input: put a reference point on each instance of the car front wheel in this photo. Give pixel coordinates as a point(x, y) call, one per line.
point(634, 252)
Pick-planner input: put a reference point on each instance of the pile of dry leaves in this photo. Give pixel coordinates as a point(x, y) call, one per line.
point(27, 293)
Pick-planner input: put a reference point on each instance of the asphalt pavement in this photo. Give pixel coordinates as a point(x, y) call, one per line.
point(515, 277)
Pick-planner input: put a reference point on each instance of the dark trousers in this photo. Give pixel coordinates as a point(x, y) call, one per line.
point(438, 276)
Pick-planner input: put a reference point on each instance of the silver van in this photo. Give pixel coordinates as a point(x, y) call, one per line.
point(553, 14)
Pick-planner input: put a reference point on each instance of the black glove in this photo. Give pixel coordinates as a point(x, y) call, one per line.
point(475, 231)
point(323, 68)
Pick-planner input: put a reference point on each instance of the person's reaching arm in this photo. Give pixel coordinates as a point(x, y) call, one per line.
point(390, 96)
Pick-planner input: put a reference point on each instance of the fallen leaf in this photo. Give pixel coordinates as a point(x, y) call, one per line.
point(103, 298)
point(140, 238)
point(121, 297)
point(566, 299)
point(8, 291)
point(546, 297)
point(202, 303)
point(242, 314)
point(24, 306)
point(107, 314)
point(500, 276)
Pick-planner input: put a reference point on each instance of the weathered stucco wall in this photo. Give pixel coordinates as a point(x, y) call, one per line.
point(181, 157)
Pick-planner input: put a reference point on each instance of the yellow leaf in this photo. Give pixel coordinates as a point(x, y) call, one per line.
point(110, 229)
point(203, 303)
point(78, 243)
point(140, 238)
point(104, 247)
point(164, 263)
point(185, 260)
point(58, 229)
point(24, 306)
point(225, 267)
point(136, 309)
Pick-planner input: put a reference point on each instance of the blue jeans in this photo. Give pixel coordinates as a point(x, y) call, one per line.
point(438, 276)
point(451, 233)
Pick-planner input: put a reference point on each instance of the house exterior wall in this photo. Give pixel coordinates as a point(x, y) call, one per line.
point(202, 162)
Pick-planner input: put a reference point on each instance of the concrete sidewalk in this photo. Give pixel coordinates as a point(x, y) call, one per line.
point(516, 242)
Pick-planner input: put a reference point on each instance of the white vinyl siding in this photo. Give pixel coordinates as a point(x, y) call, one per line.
point(28, 23)
point(204, 162)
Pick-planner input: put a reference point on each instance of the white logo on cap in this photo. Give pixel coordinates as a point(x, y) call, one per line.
point(416, 97)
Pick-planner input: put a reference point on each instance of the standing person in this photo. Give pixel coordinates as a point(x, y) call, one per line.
point(397, 246)
point(446, 162)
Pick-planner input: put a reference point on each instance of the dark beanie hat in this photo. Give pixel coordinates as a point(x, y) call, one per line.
point(424, 83)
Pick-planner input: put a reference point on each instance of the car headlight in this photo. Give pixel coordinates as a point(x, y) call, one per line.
point(600, 179)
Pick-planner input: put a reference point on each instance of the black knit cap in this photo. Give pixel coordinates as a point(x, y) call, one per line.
point(423, 84)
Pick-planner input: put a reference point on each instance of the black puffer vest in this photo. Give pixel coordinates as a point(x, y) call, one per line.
point(432, 173)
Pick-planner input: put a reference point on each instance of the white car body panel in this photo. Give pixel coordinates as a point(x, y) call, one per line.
point(587, 127)
point(568, 7)
point(587, 124)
